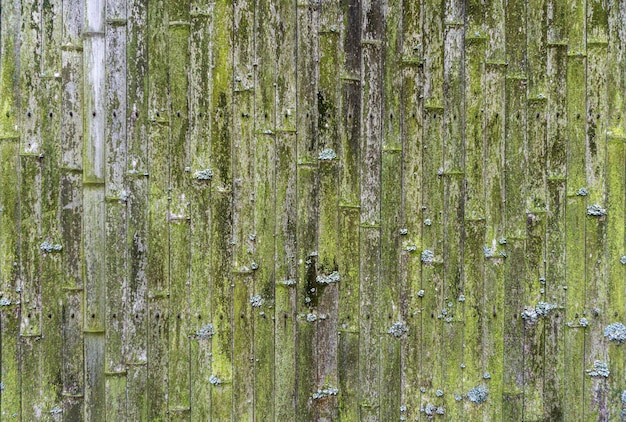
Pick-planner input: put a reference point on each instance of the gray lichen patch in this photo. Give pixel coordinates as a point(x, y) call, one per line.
point(478, 394)
point(600, 369)
point(48, 247)
point(582, 192)
point(56, 410)
point(4, 301)
point(327, 154)
point(397, 329)
point(328, 279)
point(624, 396)
point(622, 260)
point(256, 301)
point(615, 332)
point(542, 309)
point(427, 256)
point(530, 315)
point(205, 333)
point(596, 210)
point(206, 174)
point(215, 380)
point(324, 392)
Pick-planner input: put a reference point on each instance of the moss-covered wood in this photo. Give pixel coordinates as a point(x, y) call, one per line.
point(298, 210)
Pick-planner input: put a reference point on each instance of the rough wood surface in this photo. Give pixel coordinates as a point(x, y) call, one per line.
point(298, 210)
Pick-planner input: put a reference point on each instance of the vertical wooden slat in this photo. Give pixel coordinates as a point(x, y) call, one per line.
point(349, 179)
point(116, 195)
point(616, 201)
point(245, 261)
point(10, 398)
point(411, 225)
point(536, 207)
point(285, 247)
point(307, 197)
point(30, 208)
point(370, 319)
point(471, 303)
point(199, 159)
point(431, 253)
point(453, 206)
point(575, 212)
point(493, 287)
point(178, 216)
point(158, 254)
point(222, 210)
point(596, 397)
point(326, 293)
point(515, 219)
point(392, 319)
point(71, 208)
point(266, 133)
point(135, 312)
point(52, 277)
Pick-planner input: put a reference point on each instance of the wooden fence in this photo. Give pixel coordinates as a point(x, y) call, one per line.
point(300, 210)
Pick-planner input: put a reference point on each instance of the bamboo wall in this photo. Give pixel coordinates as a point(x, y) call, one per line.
point(312, 210)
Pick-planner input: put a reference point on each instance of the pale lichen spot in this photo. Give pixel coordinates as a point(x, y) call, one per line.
point(478, 394)
point(327, 154)
point(615, 332)
point(397, 329)
point(596, 210)
point(600, 369)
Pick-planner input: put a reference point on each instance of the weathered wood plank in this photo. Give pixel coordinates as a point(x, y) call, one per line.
point(615, 201)
point(392, 320)
point(135, 312)
point(116, 195)
point(596, 265)
point(411, 115)
point(221, 139)
point(10, 399)
point(285, 248)
point(307, 197)
point(470, 298)
point(370, 319)
point(265, 208)
point(179, 382)
point(200, 195)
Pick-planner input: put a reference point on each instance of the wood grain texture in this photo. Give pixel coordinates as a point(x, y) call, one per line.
point(305, 210)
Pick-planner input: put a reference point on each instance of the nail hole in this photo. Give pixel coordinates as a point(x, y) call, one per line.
point(28, 114)
point(199, 316)
point(28, 315)
point(93, 315)
point(114, 316)
point(71, 114)
point(178, 114)
point(49, 316)
point(93, 114)
point(72, 316)
point(157, 316)
point(178, 316)
point(50, 114)
point(114, 114)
